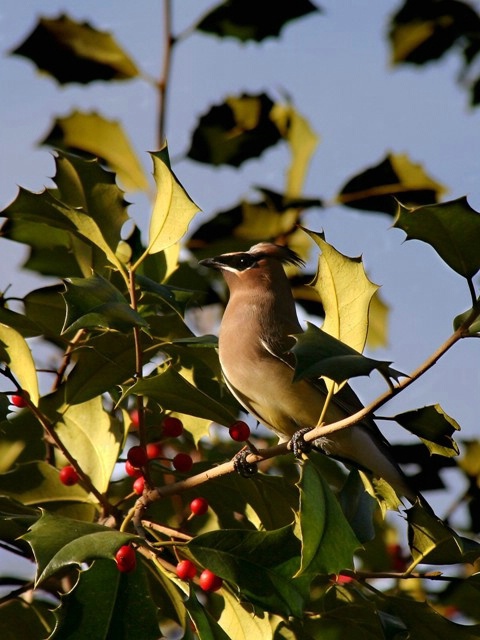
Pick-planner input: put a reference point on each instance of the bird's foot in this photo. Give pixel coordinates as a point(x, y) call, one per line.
point(241, 466)
point(298, 444)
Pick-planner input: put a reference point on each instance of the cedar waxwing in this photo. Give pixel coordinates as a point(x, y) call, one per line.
point(254, 343)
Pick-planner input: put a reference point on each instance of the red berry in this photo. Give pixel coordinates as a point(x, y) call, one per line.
point(209, 581)
point(139, 485)
point(68, 476)
point(131, 470)
point(172, 427)
point(137, 456)
point(134, 417)
point(341, 579)
point(398, 560)
point(186, 569)
point(239, 431)
point(154, 450)
point(19, 400)
point(182, 462)
point(199, 506)
point(126, 559)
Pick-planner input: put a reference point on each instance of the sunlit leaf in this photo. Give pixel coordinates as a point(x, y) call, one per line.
point(71, 51)
point(345, 292)
point(376, 188)
point(173, 209)
point(240, 621)
point(205, 624)
point(243, 20)
point(95, 303)
point(319, 354)
point(94, 438)
point(451, 228)
point(237, 130)
point(434, 427)
point(16, 354)
point(105, 139)
point(328, 542)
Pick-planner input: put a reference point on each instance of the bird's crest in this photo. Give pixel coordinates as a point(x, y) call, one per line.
point(280, 252)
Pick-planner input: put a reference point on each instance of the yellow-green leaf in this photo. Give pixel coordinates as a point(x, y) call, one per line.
point(105, 139)
point(173, 209)
point(16, 354)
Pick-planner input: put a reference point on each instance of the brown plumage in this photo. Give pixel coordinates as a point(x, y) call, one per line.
point(254, 342)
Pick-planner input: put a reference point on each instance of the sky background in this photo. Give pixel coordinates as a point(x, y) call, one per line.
point(335, 66)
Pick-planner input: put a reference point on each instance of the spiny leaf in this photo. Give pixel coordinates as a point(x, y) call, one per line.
point(376, 188)
point(173, 209)
point(104, 139)
point(328, 542)
point(345, 292)
point(261, 564)
point(241, 19)
point(451, 228)
point(71, 51)
point(205, 624)
point(95, 303)
point(434, 427)
point(319, 354)
point(58, 542)
point(16, 354)
point(237, 130)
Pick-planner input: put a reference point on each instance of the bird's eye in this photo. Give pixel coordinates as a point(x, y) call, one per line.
point(243, 262)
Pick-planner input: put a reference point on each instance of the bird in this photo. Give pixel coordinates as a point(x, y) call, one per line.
point(254, 347)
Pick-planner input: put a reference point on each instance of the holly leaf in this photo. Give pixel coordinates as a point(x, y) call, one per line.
point(16, 354)
point(319, 354)
point(328, 542)
point(434, 428)
point(376, 188)
point(71, 51)
point(173, 209)
point(237, 130)
point(105, 139)
point(94, 303)
point(451, 228)
point(245, 20)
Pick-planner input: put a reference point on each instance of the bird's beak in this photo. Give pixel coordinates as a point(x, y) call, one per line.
point(211, 263)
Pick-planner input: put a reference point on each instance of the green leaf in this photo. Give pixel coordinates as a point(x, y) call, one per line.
point(16, 354)
point(173, 209)
point(242, 20)
point(173, 392)
point(319, 354)
point(376, 188)
point(345, 292)
point(94, 303)
point(433, 542)
point(15, 519)
point(451, 228)
point(261, 564)
point(94, 438)
point(240, 621)
point(59, 542)
point(21, 619)
point(206, 627)
point(434, 427)
point(127, 610)
point(71, 51)
point(105, 139)
point(474, 327)
point(237, 130)
point(37, 483)
point(328, 542)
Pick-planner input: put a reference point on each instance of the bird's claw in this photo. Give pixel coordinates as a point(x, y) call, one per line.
point(241, 466)
point(298, 444)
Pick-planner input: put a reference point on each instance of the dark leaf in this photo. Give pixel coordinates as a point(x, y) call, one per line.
point(76, 52)
point(395, 177)
point(251, 20)
point(451, 228)
point(434, 427)
point(239, 129)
